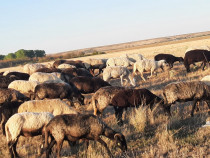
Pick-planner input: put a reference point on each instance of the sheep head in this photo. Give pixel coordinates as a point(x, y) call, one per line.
point(120, 141)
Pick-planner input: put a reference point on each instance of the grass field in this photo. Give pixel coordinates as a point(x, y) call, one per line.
point(148, 133)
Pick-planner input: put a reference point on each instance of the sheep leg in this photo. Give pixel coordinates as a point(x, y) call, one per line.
point(105, 145)
point(118, 115)
point(59, 146)
point(48, 150)
point(14, 149)
point(193, 108)
point(142, 76)
point(121, 78)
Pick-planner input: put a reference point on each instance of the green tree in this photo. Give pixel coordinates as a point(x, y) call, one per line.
point(20, 54)
point(2, 57)
point(30, 53)
point(40, 53)
point(10, 56)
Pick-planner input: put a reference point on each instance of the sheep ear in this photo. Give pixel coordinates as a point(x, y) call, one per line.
point(117, 136)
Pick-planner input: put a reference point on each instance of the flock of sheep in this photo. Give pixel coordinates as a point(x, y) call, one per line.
point(41, 100)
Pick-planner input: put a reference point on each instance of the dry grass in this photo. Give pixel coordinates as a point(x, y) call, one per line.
point(148, 133)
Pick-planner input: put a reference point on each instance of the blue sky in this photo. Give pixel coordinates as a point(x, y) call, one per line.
point(63, 25)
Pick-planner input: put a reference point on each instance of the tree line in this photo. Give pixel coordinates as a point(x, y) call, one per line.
point(22, 54)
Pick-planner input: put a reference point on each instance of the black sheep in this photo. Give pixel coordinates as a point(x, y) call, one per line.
point(169, 58)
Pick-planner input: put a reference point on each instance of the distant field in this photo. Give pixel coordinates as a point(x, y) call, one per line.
point(158, 135)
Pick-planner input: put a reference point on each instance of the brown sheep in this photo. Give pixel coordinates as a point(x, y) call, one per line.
point(88, 84)
point(197, 55)
point(102, 98)
point(6, 111)
point(186, 91)
point(133, 98)
point(75, 127)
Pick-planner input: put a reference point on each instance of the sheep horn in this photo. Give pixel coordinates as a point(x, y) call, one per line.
point(117, 135)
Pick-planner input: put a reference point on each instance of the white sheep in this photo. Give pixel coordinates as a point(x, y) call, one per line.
point(54, 106)
point(134, 57)
point(119, 61)
point(31, 68)
point(23, 86)
point(118, 71)
point(65, 66)
point(148, 65)
point(25, 124)
point(42, 77)
point(206, 79)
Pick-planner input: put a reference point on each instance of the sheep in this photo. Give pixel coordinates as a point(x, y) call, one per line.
point(76, 63)
point(206, 79)
point(27, 124)
point(54, 106)
point(119, 61)
point(75, 127)
point(65, 66)
point(58, 90)
point(169, 58)
point(204, 47)
point(20, 75)
point(133, 98)
point(69, 73)
point(31, 68)
point(88, 84)
point(48, 70)
point(6, 111)
point(118, 71)
point(185, 91)
point(197, 55)
point(92, 64)
point(148, 65)
point(8, 71)
point(25, 87)
point(42, 77)
point(101, 99)
point(134, 57)
point(6, 80)
point(8, 95)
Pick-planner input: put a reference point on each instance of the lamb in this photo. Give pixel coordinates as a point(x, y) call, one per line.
point(8, 95)
point(31, 68)
point(206, 79)
point(42, 77)
point(102, 98)
point(148, 65)
point(65, 66)
point(25, 87)
point(133, 98)
point(54, 106)
point(88, 84)
point(134, 57)
point(169, 58)
point(58, 90)
point(197, 55)
point(6, 111)
point(119, 61)
point(118, 71)
point(26, 124)
point(92, 64)
point(76, 127)
point(186, 91)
